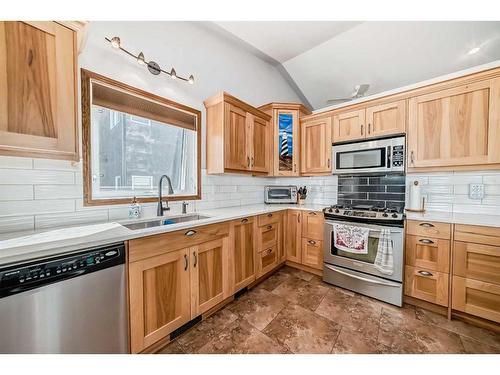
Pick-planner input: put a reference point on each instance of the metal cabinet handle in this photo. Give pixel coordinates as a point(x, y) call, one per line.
point(186, 262)
point(269, 215)
point(244, 220)
point(248, 161)
point(312, 242)
point(361, 129)
point(295, 167)
point(426, 241)
point(369, 128)
point(328, 163)
point(412, 157)
point(269, 251)
point(312, 213)
point(252, 162)
point(425, 273)
point(269, 227)
point(426, 225)
point(195, 259)
point(190, 233)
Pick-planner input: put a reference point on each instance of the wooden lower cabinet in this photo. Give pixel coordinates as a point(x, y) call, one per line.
point(209, 278)
point(293, 236)
point(243, 253)
point(267, 260)
point(313, 224)
point(160, 300)
point(477, 261)
point(312, 253)
point(428, 253)
point(430, 286)
point(476, 298)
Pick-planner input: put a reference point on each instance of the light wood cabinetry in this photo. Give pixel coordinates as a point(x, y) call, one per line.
point(313, 225)
point(238, 136)
point(38, 105)
point(243, 253)
point(160, 299)
point(349, 126)
point(428, 253)
point(285, 135)
point(459, 126)
point(429, 229)
point(385, 119)
point(312, 253)
point(477, 298)
point(293, 236)
point(316, 146)
point(426, 285)
point(270, 251)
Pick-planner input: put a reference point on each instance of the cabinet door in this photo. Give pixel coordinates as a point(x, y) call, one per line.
point(159, 297)
point(312, 225)
point(430, 286)
point(386, 119)
point(286, 150)
point(429, 253)
point(476, 261)
point(349, 126)
point(293, 236)
point(236, 135)
point(267, 260)
point(455, 127)
point(476, 298)
point(244, 250)
point(38, 90)
point(316, 146)
point(312, 253)
point(259, 144)
point(209, 275)
point(269, 235)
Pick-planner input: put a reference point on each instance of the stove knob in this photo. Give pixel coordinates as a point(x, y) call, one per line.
point(337, 211)
point(394, 216)
point(330, 210)
point(385, 214)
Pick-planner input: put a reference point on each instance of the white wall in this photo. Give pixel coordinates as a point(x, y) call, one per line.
point(38, 193)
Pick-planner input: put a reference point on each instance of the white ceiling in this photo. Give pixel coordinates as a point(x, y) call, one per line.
point(283, 40)
point(327, 59)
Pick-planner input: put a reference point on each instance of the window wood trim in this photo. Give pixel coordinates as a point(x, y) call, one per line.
point(86, 83)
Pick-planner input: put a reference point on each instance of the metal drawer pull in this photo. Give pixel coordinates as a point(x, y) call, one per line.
point(269, 215)
point(425, 273)
point(426, 225)
point(190, 233)
point(244, 220)
point(185, 262)
point(312, 242)
point(269, 251)
point(269, 227)
point(426, 241)
point(412, 158)
point(195, 259)
point(248, 161)
point(312, 213)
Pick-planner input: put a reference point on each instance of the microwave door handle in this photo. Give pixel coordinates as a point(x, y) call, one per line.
point(379, 282)
point(389, 166)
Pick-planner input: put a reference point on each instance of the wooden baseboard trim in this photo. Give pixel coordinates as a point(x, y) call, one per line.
point(304, 268)
point(426, 305)
point(477, 321)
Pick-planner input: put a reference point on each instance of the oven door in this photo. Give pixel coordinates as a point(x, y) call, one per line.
point(364, 262)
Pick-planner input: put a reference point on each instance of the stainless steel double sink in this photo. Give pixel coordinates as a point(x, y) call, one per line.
point(164, 221)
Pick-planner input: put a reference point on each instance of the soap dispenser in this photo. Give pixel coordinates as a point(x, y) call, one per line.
point(134, 210)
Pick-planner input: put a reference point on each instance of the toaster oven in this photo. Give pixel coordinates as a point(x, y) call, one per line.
point(280, 194)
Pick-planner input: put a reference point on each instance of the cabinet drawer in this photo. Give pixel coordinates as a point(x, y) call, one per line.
point(268, 236)
point(429, 253)
point(430, 229)
point(312, 225)
point(475, 261)
point(477, 234)
point(312, 253)
point(266, 260)
point(146, 247)
point(476, 298)
point(430, 286)
point(265, 219)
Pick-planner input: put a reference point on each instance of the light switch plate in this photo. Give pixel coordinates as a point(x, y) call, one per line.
point(476, 191)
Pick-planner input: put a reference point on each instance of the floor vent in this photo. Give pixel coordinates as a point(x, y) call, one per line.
point(179, 331)
point(239, 293)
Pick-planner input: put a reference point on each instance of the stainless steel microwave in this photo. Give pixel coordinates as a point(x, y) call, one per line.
point(380, 156)
point(280, 194)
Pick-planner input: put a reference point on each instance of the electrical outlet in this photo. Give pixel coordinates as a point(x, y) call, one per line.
point(476, 191)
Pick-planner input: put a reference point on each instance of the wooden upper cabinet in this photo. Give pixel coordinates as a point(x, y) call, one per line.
point(38, 90)
point(316, 146)
point(285, 137)
point(455, 127)
point(160, 297)
point(238, 136)
point(385, 119)
point(349, 126)
point(243, 253)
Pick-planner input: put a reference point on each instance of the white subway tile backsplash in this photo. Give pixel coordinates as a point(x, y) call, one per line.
point(35, 177)
point(16, 192)
point(72, 218)
point(15, 162)
point(57, 165)
point(492, 179)
point(34, 207)
point(58, 191)
point(16, 223)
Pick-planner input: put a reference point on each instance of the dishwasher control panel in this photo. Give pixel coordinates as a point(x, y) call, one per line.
point(28, 275)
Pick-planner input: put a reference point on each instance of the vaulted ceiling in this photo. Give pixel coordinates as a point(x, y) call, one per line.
point(325, 60)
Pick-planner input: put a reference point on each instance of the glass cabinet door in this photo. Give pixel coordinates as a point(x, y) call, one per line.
point(286, 152)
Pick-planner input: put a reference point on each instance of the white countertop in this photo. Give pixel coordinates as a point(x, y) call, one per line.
point(22, 246)
point(456, 218)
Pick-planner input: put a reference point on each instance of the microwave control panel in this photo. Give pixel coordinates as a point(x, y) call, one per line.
point(398, 156)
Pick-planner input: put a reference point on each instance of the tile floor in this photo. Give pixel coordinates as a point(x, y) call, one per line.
point(295, 312)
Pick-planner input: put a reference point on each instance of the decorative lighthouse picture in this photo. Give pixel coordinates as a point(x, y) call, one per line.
point(285, 125)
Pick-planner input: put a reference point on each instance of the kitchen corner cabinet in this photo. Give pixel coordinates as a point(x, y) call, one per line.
point(316, 146)
point(243, 252)
point(456, 127)
point(238, 136)
point(38, 90)
point(285, 137)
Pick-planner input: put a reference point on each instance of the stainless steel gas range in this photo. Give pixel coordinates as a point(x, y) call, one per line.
point(356, 272)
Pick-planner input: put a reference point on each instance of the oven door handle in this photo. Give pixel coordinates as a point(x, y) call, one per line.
point(335, 269)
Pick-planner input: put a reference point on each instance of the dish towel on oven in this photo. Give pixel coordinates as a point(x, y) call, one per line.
point(351, 239)
point(384, 261)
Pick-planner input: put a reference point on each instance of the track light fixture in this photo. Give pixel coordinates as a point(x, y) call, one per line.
point(152, 66)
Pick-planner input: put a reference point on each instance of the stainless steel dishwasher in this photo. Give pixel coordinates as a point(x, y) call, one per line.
point(67, 304)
